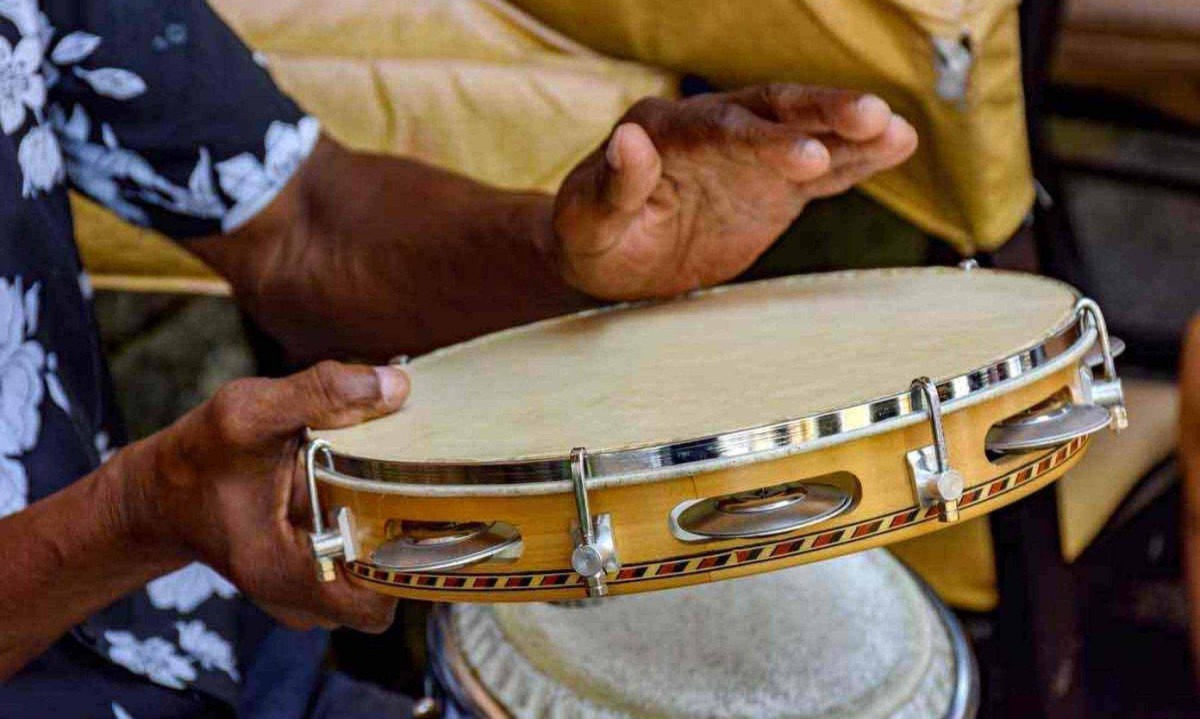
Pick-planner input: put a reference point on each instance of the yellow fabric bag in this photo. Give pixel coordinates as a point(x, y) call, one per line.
point(952, 67)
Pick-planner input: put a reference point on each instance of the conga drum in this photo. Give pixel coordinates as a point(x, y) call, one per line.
point(854, 638)
point(729, 432)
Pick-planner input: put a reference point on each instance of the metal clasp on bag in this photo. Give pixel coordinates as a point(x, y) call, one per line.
point(327, 544)
point(595, 553)
point(935, 483)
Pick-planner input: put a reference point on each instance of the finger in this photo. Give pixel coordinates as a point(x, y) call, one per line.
point(299, 507)
point(818, 110)
point(791, 152)
point(855, 166)
point(339, 602)
point(255, 411)
point(894, 145)
point(740, 136)
point(633, 169)
point(331, 395)
point(289, 587)
point(356, 607)
point(839, 180)
point(332, 605)
point(842, 178)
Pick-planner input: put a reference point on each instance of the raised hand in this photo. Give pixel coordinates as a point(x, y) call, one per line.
point(688, 194)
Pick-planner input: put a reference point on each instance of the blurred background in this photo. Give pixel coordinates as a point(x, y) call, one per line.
point(1061, 135)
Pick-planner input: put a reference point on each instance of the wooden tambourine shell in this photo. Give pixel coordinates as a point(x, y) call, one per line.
point(482, 455)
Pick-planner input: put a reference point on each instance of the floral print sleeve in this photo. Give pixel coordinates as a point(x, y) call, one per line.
point(161, 113)
point(155, 109)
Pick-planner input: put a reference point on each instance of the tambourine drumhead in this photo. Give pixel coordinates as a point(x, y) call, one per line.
point(731, 432)
point(853, 637)
point(717, 361)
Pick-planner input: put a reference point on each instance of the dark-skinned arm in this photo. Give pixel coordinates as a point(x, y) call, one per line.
point(221, 486)
point(368, 256)
point(71, 555)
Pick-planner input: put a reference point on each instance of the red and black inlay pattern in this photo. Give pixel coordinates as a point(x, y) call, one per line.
point(728, 558)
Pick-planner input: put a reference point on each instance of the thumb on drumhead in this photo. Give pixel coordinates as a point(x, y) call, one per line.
point(331, 394)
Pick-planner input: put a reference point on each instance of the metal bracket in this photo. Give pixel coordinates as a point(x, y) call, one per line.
point(934, 482)
point(595, 553)
point(327, 544)
point(1107, 391)
point(1095, 357)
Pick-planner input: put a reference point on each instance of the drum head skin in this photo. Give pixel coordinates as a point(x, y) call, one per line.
point(716, 361)
point(854, 637)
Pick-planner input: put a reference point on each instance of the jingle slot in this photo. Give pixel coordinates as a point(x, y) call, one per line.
point(766, 511)
point(1052, 422)
point(422, 546)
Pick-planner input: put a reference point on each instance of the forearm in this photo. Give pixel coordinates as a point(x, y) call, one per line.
point(68, 556)
point(366, 256)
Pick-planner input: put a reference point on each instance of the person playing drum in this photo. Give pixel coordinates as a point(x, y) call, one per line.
point(131, 578)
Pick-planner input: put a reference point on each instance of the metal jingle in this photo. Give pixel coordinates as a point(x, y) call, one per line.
point(426, 533)
point(726, 518)
point(1050, 428)
point(1095, 356)
point(427, 554)
point(767, 499)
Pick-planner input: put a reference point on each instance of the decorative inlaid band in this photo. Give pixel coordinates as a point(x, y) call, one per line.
point(726, 558)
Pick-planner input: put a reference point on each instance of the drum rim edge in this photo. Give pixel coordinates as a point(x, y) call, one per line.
point(655, 462)
point(965, 696)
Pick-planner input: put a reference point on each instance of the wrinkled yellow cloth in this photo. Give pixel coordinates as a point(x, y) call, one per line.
point(968, 183)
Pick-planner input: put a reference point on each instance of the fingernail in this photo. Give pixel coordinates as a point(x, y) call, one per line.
point(393, 384)
point(811, 150)
point(899, 124)
point(868, 104)
point(611, 153)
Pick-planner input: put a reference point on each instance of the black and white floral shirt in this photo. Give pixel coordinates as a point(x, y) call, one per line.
point(157, 111)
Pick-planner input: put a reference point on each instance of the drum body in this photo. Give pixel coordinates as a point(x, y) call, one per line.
point(781, 424)
point(858, 637)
